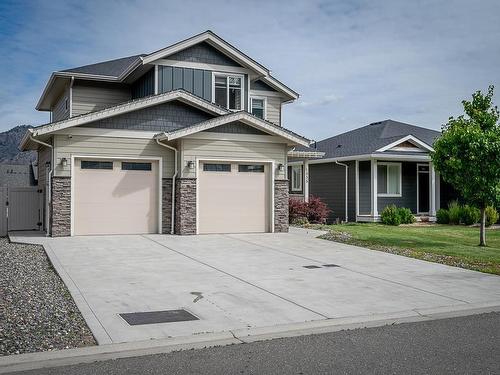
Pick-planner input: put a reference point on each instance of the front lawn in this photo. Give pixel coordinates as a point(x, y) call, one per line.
point(454, 245)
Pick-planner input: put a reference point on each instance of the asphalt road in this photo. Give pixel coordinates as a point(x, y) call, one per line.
point(467, 345)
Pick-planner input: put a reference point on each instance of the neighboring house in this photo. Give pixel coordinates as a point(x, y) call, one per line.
point(366, 169)
point(186, 140)
point(18, 175)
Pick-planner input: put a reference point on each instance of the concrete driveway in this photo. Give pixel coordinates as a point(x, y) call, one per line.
point(243, 281)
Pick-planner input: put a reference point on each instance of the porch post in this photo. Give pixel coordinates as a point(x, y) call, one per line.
point(374, 188)
point(433, 189)
point(306, 180)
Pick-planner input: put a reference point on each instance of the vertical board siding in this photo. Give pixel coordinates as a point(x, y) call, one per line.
point(195, 81)
point(60, 111)
point(144, 86)
point(90, 98)
point(408, 197)
point(3, 211)
point(24, 208)
point(109, 147)
point(365, 188)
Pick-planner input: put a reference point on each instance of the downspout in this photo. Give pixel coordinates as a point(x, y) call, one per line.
point(172, 215)
point(49, 192)
point(71, 96)
point(346, 191)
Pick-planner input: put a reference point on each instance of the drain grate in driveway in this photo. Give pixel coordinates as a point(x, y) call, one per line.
point(154, 317)
point(331, 265)
point(311, 267)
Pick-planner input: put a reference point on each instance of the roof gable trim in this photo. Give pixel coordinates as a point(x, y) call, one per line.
point(409, 138)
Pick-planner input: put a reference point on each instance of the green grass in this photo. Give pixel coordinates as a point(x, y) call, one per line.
point(454, 245)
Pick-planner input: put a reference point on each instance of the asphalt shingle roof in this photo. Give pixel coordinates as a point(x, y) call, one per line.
point(368, 139)
point(113, 68)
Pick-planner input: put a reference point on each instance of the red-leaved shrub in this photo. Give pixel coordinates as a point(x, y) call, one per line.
point(315, 211)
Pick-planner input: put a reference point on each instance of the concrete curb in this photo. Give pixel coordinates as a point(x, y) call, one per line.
point(31, 361)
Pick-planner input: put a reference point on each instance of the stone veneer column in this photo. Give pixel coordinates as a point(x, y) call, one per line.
point(185, 206)
point(280, 206)
point(166, 206)
point(61, 207)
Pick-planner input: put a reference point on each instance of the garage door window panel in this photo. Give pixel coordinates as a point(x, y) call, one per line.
point(134, 166)
point(96, 164)
point(212, 167)
point(251, 168)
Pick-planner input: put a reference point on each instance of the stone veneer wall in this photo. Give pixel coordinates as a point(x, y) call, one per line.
point(185, 206)
point(166, 205)
point(60, 219)
point(280, 206)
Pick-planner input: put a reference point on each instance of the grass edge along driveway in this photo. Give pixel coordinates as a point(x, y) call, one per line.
point(454, 245)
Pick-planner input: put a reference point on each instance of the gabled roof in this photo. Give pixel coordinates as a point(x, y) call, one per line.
point(123, 108)
point(118, 70)
point(374, 138)
point(241, 116)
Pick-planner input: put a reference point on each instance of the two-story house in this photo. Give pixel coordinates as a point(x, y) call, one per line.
point(186, 140)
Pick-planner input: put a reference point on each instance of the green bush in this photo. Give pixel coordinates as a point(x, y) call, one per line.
point(406, 216)
point(454, 212)
point(443, 216)
point(470, 215)
point(390, 215)
point(491, 216)
point(300, 221)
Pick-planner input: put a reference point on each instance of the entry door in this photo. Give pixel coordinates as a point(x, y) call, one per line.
point(424, 188)
point(233, 197)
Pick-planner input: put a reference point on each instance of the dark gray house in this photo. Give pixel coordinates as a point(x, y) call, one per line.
point(366, 169)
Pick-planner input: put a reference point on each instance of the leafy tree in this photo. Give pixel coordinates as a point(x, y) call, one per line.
point(467, 155)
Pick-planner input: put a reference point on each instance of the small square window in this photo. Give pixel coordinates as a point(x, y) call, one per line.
point(258, 107)
point(134, 166)
point(211, 167)
point(253, 168)
point(96, 164)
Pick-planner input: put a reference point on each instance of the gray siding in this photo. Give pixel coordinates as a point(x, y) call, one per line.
point(273, 110)
point(144, 86)
point(408, 192)
point(261, 86)
point(327, 181)
point(236, 128)
point(365, 188)
point(203, 53)
point(61, 108)
point(90, 96)
point(163, 117)
point(195, 81)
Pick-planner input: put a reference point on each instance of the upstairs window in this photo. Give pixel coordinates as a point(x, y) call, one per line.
point(228, 91)
point(259, 107)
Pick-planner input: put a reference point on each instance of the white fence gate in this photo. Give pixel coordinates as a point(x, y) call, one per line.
point(20, 209)
point(3, 211)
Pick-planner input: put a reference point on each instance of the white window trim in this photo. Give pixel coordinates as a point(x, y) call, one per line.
point(264, 99)
point(225, 74)
point(297, 167)
point(387, 195)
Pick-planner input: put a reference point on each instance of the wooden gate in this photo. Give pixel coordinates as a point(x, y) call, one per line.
point(3, 211)
point(24, 208)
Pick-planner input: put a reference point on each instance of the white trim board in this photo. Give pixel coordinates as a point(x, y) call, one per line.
point(409, 138)
point(159, 159)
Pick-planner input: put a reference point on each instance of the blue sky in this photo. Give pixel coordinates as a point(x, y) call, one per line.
point(353, 62)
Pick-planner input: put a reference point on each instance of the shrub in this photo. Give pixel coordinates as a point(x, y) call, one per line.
point(470, 215)
point(406, 216)
point(300, 212)
point(443, 216)
point(390, 215)
point(296, 209)
point(491, 216)
point(454, 212)
point(317, 211)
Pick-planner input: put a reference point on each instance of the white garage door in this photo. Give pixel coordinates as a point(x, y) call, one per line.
point(115, 196)
point(233, 197)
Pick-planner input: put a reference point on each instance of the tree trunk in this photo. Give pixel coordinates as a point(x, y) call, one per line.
point(482, 230)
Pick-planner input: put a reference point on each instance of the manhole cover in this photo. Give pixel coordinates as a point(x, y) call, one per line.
point(331, 265)
point(311, 267)
point(154, 317)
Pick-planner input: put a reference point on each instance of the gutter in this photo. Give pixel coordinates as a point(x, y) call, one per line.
point(346, 191)
point(172, 215)
point(49, 190)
